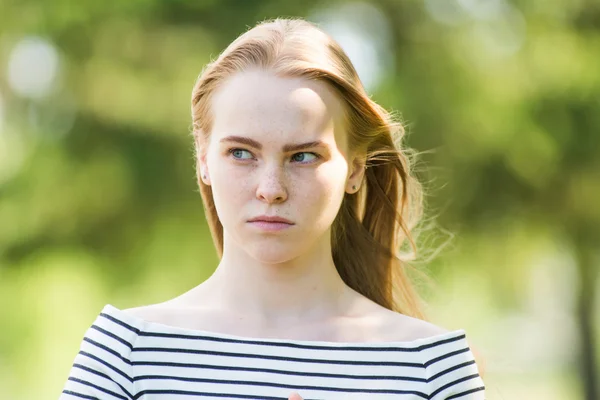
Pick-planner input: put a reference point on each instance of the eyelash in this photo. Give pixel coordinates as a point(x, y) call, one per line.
point(317, 156)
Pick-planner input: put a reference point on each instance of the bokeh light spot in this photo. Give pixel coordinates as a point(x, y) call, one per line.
point(33, 66)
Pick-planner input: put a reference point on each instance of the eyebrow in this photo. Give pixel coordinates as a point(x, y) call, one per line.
point(286, 148)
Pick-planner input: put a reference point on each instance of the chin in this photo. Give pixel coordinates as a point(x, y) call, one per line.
point(273, 253)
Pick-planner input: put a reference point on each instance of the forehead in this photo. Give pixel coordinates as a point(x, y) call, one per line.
point(261, 105)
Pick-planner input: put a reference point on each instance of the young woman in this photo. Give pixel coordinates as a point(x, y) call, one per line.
point(309, 200)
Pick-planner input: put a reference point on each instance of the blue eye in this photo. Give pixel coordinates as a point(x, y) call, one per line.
point(301, 157)
point(238, 154)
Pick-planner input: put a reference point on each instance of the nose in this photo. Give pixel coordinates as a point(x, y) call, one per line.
point(272, 187)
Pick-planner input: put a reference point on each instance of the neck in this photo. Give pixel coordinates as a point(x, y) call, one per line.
point(304, 288)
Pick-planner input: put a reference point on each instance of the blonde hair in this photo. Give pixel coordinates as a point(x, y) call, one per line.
point(373, 225)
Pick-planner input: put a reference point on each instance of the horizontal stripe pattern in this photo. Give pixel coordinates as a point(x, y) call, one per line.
point(125, 357)
point(452, 373)
point(102, 368)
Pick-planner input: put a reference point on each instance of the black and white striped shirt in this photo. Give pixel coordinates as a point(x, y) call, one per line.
point(125, 357)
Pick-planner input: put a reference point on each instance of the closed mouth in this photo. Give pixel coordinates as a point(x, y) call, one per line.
point(274, 220)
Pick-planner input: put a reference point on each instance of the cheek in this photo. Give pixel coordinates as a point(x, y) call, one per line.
point(230, 189)
point(230, 179)
point(325, 190)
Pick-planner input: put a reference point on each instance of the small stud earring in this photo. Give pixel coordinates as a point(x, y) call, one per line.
point(204, 176)
point(353, 187)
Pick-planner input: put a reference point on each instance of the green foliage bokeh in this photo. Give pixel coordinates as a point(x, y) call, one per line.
point(99, 203)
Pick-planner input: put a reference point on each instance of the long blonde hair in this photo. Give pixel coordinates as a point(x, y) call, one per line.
point(373, 225)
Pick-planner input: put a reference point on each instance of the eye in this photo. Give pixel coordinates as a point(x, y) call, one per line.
point(240, 154)
point(304, 157)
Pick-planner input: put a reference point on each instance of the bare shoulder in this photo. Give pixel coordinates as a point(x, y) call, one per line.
point(403, 328)
point(179, 315)
point(159, 313)
point(415, 328)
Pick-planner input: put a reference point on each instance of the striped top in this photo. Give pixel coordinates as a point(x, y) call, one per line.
point(125, 357)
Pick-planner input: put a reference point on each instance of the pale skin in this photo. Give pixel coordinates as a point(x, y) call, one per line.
point(280, 284)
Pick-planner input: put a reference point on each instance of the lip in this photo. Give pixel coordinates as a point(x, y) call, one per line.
point(271, 219)
point(270, 223)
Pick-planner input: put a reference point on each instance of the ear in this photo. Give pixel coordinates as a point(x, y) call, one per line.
point(201, 164)
point(356, 173)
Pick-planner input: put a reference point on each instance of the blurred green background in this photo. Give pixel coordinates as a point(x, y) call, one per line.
point(98, 200)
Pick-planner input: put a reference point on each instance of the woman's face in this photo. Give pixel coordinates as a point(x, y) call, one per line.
point(277, 148)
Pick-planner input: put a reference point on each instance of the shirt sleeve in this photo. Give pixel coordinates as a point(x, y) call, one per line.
point(102, 367)
point(452, 372)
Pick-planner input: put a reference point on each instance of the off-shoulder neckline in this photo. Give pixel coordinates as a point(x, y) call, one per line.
point(157, 327)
